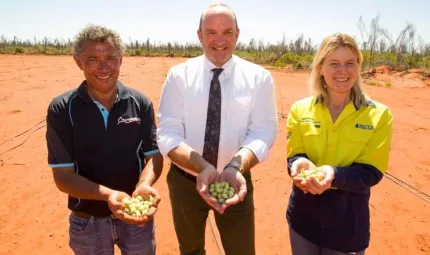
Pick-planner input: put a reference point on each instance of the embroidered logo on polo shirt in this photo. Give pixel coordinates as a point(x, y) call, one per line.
point(363, 126)
point(128, 120)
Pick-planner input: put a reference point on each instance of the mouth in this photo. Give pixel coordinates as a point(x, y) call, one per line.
point(104, 77)
point(343, 79)
point(219, 48)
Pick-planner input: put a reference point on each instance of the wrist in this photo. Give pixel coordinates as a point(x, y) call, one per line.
point(105, 192)
point(143, 181)
point(236, 165)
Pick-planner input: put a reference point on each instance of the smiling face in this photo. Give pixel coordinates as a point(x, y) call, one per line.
point(340, 70)
point(100, 62)
point(218, 35)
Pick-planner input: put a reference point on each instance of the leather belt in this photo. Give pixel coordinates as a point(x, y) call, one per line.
point(183, 173)
point(84, 215)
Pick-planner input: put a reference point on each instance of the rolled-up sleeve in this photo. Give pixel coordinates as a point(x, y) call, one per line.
point(262, 130)
point(171, 129)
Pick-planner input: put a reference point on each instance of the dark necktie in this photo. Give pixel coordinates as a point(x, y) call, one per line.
point(213, 122)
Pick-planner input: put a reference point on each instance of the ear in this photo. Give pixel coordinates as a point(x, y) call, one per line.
point(200, 35)
point(78, 62)
point(237, 33)
point(319, 69)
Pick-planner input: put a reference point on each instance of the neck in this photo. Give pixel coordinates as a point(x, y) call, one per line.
point(338, 100)
point(106, 98)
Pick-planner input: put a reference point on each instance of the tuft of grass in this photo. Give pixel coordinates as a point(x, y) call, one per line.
point(373, 83)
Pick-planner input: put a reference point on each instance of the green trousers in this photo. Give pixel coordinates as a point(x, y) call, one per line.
point(190, 212)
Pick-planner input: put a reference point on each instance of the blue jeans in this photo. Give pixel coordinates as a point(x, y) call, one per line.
point(99, 235)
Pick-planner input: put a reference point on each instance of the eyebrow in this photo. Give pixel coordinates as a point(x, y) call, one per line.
point(213, 30)
point(336, 60)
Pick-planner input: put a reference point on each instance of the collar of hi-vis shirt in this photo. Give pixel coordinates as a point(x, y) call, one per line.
point(225, 74)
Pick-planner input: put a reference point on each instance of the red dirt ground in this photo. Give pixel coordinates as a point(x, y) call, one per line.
point(34, 216)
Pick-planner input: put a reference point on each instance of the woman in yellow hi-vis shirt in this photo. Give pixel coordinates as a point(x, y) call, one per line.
point(347, 136)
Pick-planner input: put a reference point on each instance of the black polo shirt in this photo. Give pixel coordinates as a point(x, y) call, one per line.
point(107, 148)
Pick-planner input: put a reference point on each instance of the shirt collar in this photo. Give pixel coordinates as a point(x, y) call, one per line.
point(121, 94)
point(228, 66)
point(320, 100)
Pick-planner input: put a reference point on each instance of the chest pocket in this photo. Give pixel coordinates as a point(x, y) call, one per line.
point(358, 135)
point(312, 138)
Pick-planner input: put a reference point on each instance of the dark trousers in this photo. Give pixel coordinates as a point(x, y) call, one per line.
point(190, 212)
point(301, 246)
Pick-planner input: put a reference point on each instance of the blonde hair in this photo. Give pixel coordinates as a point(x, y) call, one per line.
point(316, 80)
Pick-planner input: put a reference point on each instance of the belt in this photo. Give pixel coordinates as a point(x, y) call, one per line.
point(84, 215)
point(183, 173)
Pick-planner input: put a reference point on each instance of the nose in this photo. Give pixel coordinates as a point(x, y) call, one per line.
point(103, 66)
point(342, 68)
point(219, 39)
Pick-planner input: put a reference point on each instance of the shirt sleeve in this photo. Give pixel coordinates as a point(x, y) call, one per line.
point(171, 127)
point(263, 126)
point(295, 143)
point(295, 146)
point(59, 136)
point(149, 131)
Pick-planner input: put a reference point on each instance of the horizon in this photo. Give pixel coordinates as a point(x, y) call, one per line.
point(133, 20)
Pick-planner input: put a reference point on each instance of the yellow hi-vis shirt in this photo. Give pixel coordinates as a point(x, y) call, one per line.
point(358, 135)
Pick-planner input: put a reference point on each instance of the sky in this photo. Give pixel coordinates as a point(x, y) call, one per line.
point(177, 21)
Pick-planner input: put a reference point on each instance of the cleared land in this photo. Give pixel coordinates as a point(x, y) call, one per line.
point(34, 215)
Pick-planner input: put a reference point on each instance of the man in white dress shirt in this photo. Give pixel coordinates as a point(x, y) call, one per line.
point(217, 120)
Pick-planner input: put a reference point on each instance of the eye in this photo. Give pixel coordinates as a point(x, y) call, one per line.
point(334, 64)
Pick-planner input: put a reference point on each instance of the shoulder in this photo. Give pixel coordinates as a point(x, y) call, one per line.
point(191, 63)
point(378, 108)
point(250, 67)
point(139, 97)
point(62, 101)
point(303, 107)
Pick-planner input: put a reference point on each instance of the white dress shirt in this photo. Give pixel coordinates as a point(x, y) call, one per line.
point(248, 108)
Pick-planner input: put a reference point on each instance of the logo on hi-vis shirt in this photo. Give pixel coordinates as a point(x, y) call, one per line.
point(363, 126)
point(317, 124)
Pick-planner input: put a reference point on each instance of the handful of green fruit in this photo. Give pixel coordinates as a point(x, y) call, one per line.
point(221, 191)
point(306, 174)
point(137, 206)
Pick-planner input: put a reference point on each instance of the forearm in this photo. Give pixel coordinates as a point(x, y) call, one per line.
point(357, 178)
point(188, 158)
point(80, 187)
point(152, 170)
point(246, 158)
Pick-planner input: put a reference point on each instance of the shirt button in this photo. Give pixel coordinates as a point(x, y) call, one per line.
point(103, 109)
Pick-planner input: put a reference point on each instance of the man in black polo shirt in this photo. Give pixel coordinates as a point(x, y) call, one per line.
point(102, 148)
